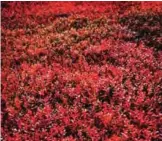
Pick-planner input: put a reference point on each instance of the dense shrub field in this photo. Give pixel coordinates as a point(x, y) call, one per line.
point(81, 71)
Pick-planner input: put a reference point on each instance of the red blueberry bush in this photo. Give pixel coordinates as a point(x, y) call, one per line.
point(81, 71)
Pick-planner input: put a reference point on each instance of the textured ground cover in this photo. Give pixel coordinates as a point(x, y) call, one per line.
point(81, 71)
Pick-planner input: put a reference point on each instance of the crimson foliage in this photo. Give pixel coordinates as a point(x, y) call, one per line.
point(75, 71)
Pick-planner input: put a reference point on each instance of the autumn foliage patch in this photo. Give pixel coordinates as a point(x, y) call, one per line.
point(81, 71)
